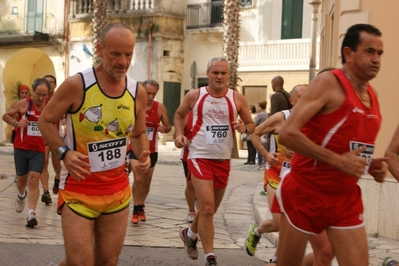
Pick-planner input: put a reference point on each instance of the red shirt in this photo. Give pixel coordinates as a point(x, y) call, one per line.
point(350, 124)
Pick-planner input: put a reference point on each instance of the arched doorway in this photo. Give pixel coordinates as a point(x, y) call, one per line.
point(24, 66)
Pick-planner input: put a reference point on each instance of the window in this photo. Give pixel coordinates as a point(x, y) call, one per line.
point(291, 25)
point(246, 2)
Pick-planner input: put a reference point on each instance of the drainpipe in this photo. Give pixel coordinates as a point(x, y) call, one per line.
point(66, 38)
point(150, 26)
point(312, 63)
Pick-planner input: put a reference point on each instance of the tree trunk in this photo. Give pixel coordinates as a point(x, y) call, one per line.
point(99, 21)
point(231, 37)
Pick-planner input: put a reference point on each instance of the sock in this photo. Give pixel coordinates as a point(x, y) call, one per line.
point(273, 259)
point(191, 234)
point(30, 211)
point(21, 196)
point(141, 207)
point(191, 211)
point(136, 208)
point(256, 231)
point(45, 192)
point(209, 254)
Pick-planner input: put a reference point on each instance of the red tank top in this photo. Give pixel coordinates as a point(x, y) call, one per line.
point(30, 138)
point(351, 124)
point(152, 121)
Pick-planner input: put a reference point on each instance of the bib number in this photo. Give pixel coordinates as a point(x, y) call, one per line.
point(285, 168)
point(366, 154)
point(150, 133)
point(33, 129)
point(106, 155)
point(216, 134)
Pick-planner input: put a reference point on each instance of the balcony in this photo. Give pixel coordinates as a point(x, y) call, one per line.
point(84, 8)
point(276, 55)
point(205, 15)
point(29, 28)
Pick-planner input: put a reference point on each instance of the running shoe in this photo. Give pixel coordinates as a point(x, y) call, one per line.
point(20, 203)
point(135, 218)
point(388, 261)
point(31, 220)
point(56, 186)
point(46, 198)
point(211, 260)
point(190, 217)
point(142, 216)
point(190, 246)
point(251, 241)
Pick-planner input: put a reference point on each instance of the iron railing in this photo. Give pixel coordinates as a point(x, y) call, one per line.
point(205, 15)
point(29, 23)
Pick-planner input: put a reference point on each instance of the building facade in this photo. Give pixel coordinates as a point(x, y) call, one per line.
point(381, 201)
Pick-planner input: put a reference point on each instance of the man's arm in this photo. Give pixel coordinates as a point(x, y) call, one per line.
point(16, 108)
point(68, 98)
point(392, 152)
point(272, 124)
point(180, 118)
point(165, 127)
point(139, 140)
point(323, 95)
point(245, 115)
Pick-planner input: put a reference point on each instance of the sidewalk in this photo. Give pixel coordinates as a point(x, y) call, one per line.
point(166, 209)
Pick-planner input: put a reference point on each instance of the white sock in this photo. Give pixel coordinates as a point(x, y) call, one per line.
point(256, 231)
point(21, 196)
point(30, 211)
point(191, 234)
point(209, 254)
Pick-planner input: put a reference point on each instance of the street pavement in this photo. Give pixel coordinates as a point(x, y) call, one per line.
point(156, 241)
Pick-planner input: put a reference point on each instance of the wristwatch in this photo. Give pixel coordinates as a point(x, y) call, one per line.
point(61, 151)
point(15, 123)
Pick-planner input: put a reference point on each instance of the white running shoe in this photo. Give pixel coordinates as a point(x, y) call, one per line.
point(20, 203)
point(31, 220)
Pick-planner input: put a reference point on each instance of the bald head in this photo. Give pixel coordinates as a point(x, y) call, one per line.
point(296, 93)
point(277, 83)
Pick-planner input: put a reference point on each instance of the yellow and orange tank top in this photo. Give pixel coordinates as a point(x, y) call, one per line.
point(100, 128)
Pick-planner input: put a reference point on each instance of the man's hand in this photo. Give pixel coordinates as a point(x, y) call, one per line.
point(182, 141)
point(144, 162)
point(351, 163)
point(378, 169)
point(77, 165)
point(239, 126)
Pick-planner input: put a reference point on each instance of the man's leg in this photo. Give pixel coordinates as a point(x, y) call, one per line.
point(350, 246)
point(190, 196)
point(140, 188)
point(292, 244)
point(78, 238)
point(110, 231)
point(33, 195)
point(322, 251)
point(209, 200)
point(57, 170)
point(46, 198)
point(266, 226)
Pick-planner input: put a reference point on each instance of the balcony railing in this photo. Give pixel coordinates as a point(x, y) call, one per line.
point(29, 23)
point(82, 8)
point(276, 55)
point(205, 15)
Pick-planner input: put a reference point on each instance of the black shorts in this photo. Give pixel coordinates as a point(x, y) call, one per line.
point(153, 157)
point(27, 161)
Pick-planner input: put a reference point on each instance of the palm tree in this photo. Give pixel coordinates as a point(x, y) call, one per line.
point(231, 37)
point(99, 21)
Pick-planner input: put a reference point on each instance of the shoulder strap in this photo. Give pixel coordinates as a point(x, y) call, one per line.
point(29, 108)
point(289, 103)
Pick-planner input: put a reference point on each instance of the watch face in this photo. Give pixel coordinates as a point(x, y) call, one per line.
point(60, 152)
